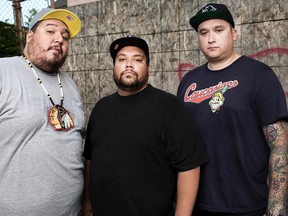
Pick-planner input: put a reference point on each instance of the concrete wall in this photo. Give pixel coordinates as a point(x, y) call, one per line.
point(262, 27)
point(71, 3)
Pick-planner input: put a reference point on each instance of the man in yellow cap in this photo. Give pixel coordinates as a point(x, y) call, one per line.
point(40, 162)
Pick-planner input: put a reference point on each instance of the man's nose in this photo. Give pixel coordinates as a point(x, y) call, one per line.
point(129, 64)
point(58, 37)
point(211, 37)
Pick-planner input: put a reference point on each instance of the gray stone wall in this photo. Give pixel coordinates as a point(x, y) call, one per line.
point(262, 28)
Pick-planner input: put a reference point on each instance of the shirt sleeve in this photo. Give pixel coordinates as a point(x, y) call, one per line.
point(185, 148)
point(89, 137)
point(270, 99)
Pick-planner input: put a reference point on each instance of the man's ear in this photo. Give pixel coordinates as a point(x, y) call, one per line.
point(148, 69)
point(29, 36)
point(235, 34)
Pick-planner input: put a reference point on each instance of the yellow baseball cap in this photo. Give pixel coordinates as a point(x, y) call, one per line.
point(70, 19)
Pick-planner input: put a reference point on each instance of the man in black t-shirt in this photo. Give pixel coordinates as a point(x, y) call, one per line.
point(239, 107)
point(142, 146)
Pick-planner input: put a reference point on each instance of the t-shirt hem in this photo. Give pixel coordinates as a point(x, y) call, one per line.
point(231, 210)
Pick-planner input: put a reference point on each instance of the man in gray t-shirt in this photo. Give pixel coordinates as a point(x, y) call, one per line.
point(41, 123)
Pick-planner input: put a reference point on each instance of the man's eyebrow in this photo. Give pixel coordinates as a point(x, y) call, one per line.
point(53, 24)
point(121, 54)
point(136, 55)
point(219, 26)
point(206, 29)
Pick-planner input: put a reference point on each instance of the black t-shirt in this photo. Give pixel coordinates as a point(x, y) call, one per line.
point(137, 145)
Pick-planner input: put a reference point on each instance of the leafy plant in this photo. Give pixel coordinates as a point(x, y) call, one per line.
point(32, 12)
point(9, 43)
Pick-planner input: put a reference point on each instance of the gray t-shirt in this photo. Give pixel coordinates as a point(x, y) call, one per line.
point(40, 168)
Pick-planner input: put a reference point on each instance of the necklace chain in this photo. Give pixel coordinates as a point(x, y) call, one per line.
point(41, 83)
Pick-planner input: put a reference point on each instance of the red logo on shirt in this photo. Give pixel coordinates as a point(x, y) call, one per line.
point(198, 96)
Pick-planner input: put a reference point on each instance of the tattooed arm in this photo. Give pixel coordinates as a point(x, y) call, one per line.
point(277, 138)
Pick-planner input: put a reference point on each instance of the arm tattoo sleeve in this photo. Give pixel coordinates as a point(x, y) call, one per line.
point(277, 138)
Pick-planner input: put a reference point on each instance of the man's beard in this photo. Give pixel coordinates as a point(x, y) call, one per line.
point(40, 60)
point(133, 86)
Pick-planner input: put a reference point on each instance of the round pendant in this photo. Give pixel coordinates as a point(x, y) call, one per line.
point(59, 118)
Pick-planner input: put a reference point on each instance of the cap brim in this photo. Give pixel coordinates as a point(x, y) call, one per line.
point(197, 20)
point(128, 41)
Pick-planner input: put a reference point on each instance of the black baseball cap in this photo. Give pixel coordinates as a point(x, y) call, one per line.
point(129, 40)
point(211, 11)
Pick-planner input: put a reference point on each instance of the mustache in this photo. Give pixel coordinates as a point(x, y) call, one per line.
point(58, 48)
point(128, 71)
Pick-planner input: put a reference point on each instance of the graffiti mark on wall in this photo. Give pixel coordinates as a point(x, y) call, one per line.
point(281, 51)
point(184, 66)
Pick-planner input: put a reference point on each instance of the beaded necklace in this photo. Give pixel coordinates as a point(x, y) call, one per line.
point(58, 117)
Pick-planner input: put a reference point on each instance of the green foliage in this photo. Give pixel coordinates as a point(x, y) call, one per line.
point(9, 43)
point(32, 12)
